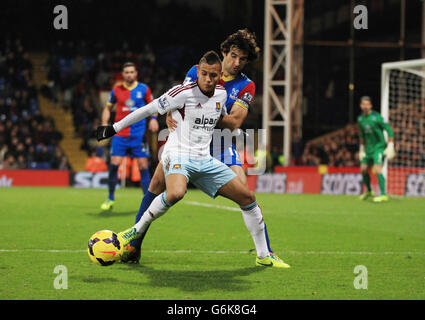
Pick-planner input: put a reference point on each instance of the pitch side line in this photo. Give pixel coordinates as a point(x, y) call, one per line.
point(234, 252)
point(209, 205)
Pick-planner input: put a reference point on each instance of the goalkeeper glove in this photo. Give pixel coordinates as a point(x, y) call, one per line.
point(105, 132)
point(362, 153)
point(389, 151)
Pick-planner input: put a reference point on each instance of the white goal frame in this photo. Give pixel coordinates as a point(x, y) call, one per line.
point(410, 66)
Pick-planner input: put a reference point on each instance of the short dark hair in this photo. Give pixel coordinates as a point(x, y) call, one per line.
point(211, 57)
point(367, 98)
point(244, 40)
point(129, 64)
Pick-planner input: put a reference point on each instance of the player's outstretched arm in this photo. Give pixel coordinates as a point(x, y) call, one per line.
point(105, 132)
point(172, 100)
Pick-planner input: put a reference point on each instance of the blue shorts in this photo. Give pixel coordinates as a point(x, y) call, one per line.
point(207, 174)
point(228, 155)
point(132, 146)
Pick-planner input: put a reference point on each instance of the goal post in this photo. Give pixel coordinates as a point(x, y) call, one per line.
point(403, 107)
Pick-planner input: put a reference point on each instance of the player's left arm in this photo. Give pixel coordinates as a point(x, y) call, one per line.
point(235, 119)
point(389, 150)
point(240, 108)
point(153, 123)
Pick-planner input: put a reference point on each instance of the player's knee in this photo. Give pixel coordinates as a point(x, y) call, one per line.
point(377, 169)
point(248, 198)
point(175, 195)
point(251, 196)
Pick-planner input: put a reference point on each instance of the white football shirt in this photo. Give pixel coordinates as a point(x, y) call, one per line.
point(196, 115)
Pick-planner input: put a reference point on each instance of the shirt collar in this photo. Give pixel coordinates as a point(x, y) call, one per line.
point(134, 85)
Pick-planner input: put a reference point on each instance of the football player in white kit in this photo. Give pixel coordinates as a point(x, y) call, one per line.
point(197, 107)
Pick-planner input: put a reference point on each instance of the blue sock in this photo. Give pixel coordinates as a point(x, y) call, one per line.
point(112, 181)
point(267, 238)
point(146, 202)
point(145, 180)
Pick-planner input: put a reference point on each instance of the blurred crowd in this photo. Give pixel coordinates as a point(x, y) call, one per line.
point(77, 73)
point(27, 138)
point(409, 134)
point(338, 149)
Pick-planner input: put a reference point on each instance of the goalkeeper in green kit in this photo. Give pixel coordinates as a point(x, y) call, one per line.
point(373, 147)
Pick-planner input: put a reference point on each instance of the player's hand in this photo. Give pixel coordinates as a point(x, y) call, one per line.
point(171, 123)
point(362, 152)
point(389, 151)
point(104, 132)
point(153, 125)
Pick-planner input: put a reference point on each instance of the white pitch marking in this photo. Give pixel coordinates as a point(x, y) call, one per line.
point(234, 252)
point(209, 205)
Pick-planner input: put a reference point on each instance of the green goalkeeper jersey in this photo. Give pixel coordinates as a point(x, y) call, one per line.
point(372, 131)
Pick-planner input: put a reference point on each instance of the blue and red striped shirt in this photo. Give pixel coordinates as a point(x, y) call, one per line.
point(127, 100)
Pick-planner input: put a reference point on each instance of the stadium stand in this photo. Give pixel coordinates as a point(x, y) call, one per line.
point(338, 148)
point(67, 75)
point(409, 134)
point(75, 80)
point(28, 139)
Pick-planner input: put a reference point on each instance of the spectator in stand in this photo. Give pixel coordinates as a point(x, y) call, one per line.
point(22, 162)
point(10, 162)
point(59, 161)
point(296, 148)
point(309, 157)
point(78, 70)
point(325, 153)
point(95, 163)
point(277, 156)
point(43, 156)
point(4, 149)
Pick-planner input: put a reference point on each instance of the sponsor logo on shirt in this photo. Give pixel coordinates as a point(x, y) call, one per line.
point(234, 94)
point(129, 103)
point(200, 123)
point(205, 120)
point(247, 97)
point(163, 103)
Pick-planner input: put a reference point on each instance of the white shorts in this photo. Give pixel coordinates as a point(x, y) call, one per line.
point(207, 174)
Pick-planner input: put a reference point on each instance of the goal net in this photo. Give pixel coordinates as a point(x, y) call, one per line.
point(403, 106)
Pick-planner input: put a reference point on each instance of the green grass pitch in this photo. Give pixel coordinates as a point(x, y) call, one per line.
point(200, 249)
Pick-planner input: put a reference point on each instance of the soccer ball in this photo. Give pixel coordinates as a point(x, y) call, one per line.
point(104, 248)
